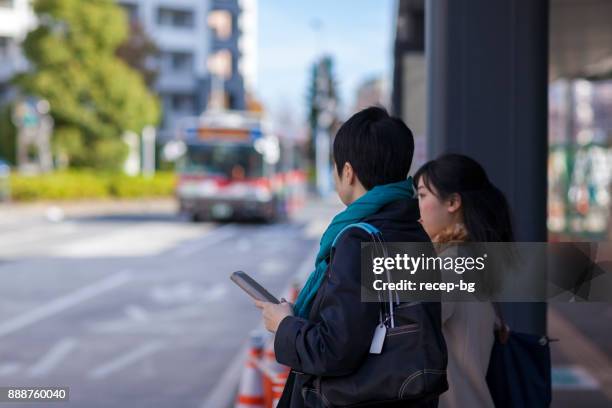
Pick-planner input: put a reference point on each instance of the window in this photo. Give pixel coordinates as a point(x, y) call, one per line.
point(183, 103)
point(178, 61)
point(174, 18)
point(5, 43)
point(223, 160)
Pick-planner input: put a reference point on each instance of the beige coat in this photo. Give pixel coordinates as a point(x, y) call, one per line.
point(468, 330)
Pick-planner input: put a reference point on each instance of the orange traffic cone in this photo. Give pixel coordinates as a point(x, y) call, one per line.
point(271, 369)
point(278, 386)
point(270, 358)
point(251, 392)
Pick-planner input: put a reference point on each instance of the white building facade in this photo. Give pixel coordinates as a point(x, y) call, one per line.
point(247, 44)
point(16, 19)
point(207, 53)
point(180, 31)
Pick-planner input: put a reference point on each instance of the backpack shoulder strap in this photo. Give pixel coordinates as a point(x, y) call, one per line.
point(369, 228)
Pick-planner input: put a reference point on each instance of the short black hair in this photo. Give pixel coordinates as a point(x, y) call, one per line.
point(378, 146)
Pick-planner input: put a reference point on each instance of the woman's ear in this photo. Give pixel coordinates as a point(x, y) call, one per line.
point(454, 203)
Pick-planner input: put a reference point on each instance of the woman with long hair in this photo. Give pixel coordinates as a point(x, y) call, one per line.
point(458, 203)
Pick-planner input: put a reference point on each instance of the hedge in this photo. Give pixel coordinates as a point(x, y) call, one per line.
point(75, 185)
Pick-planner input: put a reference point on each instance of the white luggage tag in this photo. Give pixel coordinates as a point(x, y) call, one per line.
point(381, 330)
point(378, 339)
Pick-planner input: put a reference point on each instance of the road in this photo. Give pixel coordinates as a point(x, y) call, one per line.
point(136, 310)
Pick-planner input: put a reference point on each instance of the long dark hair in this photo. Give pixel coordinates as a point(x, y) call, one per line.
point(486, 213)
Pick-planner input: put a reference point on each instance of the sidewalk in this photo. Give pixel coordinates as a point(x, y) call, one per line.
point(321, 210)
point(582, 358)
point(14, 212)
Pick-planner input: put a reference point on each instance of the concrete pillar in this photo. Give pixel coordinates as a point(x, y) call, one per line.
point(487, 98)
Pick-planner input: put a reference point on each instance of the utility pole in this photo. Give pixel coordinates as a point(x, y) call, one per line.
point(325, 106)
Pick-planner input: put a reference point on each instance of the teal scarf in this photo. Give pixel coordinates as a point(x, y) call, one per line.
point(364, 206)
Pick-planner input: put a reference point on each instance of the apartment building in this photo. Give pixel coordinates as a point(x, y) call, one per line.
point(207, 53)
point(16, 19)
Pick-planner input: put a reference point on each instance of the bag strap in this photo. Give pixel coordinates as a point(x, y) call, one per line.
point(369, 228)
point(377, 238)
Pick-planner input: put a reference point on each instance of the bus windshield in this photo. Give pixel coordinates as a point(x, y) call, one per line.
point(230, 161)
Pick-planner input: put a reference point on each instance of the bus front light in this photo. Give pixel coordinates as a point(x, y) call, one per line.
point(262, 194)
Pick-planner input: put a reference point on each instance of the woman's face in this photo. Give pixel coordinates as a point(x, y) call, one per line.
point(436, 214)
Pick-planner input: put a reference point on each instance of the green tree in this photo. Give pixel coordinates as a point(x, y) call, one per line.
point(138, 51)
point(94, 95)
point(7, 134)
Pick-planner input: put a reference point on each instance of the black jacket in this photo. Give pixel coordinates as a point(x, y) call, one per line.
point(337, 335)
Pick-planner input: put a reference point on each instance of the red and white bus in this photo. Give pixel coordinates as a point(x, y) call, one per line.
point(233, 167)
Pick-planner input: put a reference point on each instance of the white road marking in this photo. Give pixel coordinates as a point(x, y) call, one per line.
point(137, 319)
point(214, 237)
point(137, 313)
point(55, 214)
point(21, 237)
point(244, 245)
point(272, 266)
point(64, 302)
point(124, 327)
point(126, 359)
point(53, 357)
point(181, 313)
point(136, 240)
point(165, 294)
point(214, 293)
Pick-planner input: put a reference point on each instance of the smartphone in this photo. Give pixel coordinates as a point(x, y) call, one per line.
point(250, 286)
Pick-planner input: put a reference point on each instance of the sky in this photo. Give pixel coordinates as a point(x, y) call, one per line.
point(357, 33)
